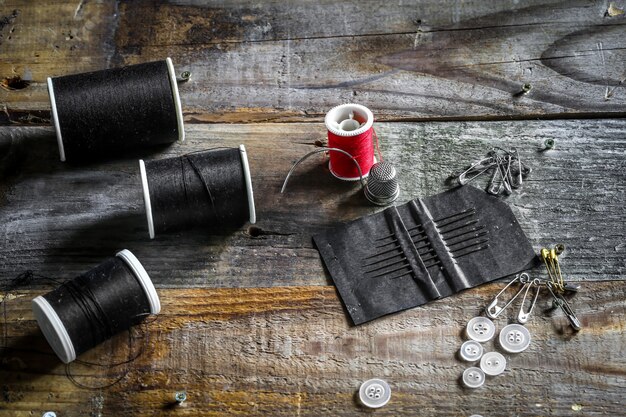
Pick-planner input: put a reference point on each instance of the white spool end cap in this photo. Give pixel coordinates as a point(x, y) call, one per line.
point(514, 338)
point(473, 377)
point(493, 363)
point(176, 97)
point(55, 119)
point(146, 197)
point(349, 119)
point(53, 329)
point(374, 393)
point(143, 278)
point(248, 178)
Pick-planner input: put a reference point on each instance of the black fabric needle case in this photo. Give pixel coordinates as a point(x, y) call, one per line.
point(426, 249)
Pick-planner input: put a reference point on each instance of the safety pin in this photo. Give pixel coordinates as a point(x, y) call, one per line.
point(567, 309)
point(481, 166)
point(520, 176)
point(523, 316)
point(493, 310)
point(495, 186)
point(506, 174)
point(551, 260)
point(512, 158)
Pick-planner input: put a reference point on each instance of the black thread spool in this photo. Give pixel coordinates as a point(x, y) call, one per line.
point(90, 309)
point(102, 112)
point(210, 188)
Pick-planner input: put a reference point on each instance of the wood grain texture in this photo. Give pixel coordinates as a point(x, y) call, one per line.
point(290, 351)
point(61, 219)
point(285, 61)
point(250, 324)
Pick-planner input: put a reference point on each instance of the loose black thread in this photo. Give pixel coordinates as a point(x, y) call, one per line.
point(25, 279)
point(204, 188)
point(131, 358)
point(104, 112)
point(91, 308)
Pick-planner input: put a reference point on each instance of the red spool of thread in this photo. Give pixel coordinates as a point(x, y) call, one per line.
point(350, 128)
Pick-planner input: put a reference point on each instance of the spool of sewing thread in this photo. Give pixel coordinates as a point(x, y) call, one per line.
point(350, 128)
point(210, 188)
point(108, 111)
point(91, 308)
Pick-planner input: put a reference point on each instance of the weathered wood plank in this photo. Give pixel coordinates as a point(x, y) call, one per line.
point(292, 62)
point(61, 219)
point(290, 351)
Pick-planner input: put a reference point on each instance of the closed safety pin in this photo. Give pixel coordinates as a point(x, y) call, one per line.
point(493, 310)
point(563, 304)
point(477, 169)
point(523, 316)
point(551, 260)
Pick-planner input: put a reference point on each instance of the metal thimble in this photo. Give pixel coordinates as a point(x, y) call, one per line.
point(382, 185)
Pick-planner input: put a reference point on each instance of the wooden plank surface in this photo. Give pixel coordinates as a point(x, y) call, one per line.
point(290, 351)
point(61, 219)
point(250, 324)
point(286, 61)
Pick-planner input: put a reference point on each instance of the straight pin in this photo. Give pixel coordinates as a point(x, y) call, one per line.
point(383, 259)
point(428, 259)
point(417, 233)
point(419, 226)
point(420, 240)
point(471, 222)
point(385, 244)
point(455, 214)
point(386, 266)
point(464, 215)
point(470, 252)
point(382, 253)
point(469, 239)
point(393, 270)
point(385, 237)
point(480, 242)
point(475, 229)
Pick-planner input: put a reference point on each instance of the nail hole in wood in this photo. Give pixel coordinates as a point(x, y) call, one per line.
point(14, 83)
point(254, 231)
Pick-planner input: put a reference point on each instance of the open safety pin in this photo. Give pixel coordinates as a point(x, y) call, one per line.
point(493, 310)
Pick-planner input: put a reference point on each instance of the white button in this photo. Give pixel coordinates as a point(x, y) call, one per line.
point(471, 351)
point(514, 338)
point(473, 377)
point(374, 393)
point(493, 363)
point(480, 329)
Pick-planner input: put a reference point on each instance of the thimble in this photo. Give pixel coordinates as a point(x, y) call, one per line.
point(382, 185)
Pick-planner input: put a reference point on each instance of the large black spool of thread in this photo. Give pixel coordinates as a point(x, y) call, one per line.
point(91, 308)
point(103, 112)
point(209, 188)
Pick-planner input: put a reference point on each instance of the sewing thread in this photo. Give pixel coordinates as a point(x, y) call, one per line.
point(106, 300)
point(211, 188)
point(350, 128)
point(99, 113)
